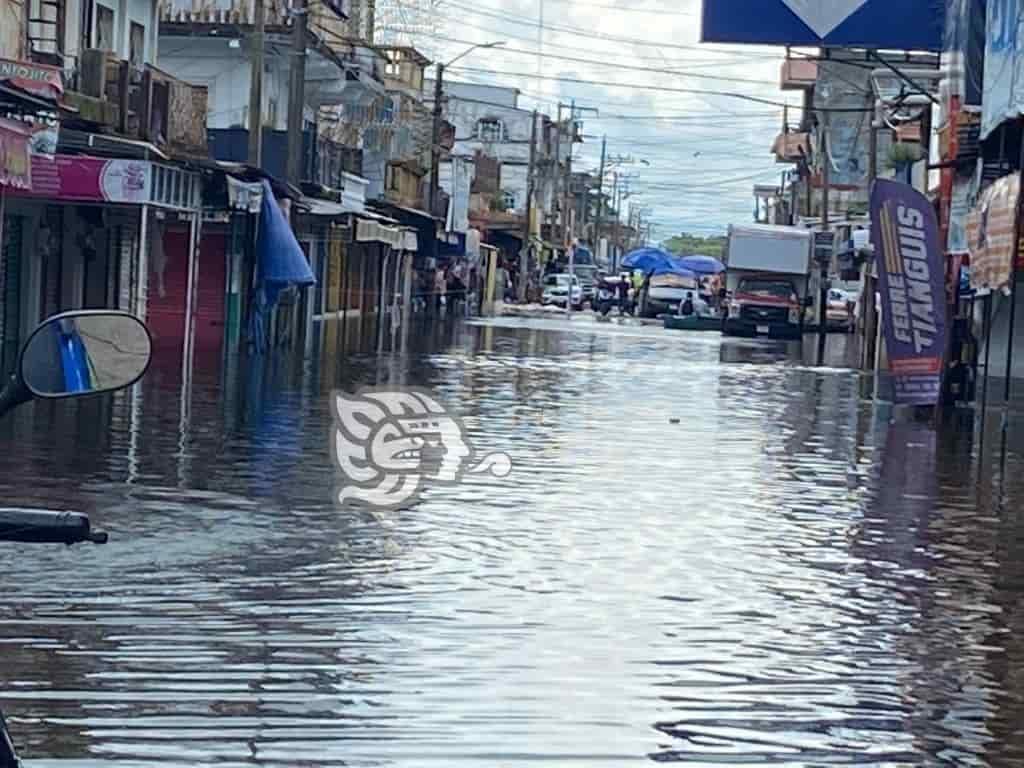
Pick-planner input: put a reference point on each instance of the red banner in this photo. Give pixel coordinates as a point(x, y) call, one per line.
point(38, 79)
point(15, 160)
point(91, 179)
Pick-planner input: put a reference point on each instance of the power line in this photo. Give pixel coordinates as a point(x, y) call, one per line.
point(663, 89)
point(624, 9)
point(512, 19)
point(635, 67)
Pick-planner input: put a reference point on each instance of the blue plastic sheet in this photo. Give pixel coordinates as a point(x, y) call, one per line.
point(648, 259)
point(280, 262)
point(702, 265)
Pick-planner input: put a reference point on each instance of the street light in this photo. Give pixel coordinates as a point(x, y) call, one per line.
point(441, 67)
point(435, 144)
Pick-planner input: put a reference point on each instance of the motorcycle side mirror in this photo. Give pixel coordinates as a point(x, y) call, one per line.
point(86, 352)
point(78, 353)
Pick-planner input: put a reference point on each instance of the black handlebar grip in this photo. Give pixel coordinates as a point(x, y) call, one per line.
point(45, 527)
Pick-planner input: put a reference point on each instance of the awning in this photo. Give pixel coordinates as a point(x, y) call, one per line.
point(316, 207)
point(15, 159)
point(103, 145)
point(406, 209)
point(373, 231)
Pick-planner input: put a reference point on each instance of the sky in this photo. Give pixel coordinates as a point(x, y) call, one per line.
point(692, 158)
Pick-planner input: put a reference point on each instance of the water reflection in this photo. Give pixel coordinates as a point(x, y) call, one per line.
point(707, 552)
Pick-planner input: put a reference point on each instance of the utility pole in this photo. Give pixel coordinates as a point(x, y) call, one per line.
point(869, 312)
point(435, 134)
point(524, 253)
point(435, 142)
point(599, 219)
point(557, 196)
point(297, 92)
point(613, 243)
point(257, 43)
point(618, 221)
point(566, 226)
point(567, 232)
point(826, 179)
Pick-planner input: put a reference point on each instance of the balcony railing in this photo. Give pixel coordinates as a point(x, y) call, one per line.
point(143, 103)
point(276, 13)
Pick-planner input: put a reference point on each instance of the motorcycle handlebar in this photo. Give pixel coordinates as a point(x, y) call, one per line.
point(45, 527)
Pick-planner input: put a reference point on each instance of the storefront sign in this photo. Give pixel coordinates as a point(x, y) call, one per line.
point(990, 234)
point(72, 177)
point(35, 78)
point(911, 274)
point(15, 159)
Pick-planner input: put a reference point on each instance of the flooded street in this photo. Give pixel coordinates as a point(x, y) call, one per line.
point(707, 552)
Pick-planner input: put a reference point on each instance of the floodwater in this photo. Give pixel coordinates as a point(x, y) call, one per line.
point(707, 552)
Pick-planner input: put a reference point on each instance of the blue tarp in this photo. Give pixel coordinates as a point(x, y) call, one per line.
point(647, 259)
point(280, 262)
point(673, 269)
point(280, 258)
point(702, 265)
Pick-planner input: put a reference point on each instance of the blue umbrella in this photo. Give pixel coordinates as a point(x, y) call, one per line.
point(647, 259)
point(702, 265)
point(674, 269)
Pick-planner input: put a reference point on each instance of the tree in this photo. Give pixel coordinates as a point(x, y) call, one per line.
point(686, 244)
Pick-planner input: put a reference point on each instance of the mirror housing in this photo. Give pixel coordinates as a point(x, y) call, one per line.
point(85, 352)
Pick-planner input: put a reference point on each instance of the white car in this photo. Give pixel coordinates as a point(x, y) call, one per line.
point(556, 291)
point(842, 309)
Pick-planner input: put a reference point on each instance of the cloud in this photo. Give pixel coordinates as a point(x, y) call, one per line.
point(705, 151)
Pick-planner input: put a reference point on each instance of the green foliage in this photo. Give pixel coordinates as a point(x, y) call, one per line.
point(687, 244)
point(902, 155)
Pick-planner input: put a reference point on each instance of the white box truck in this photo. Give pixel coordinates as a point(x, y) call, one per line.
point(767, 280)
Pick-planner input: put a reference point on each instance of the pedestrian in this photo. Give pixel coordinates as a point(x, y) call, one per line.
point(686, 309)
point(439, 290)
point(623, 293)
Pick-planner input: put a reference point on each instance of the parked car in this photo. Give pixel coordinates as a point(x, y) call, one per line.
point(556, 291)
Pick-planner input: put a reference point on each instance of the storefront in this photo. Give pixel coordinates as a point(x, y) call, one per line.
point(81, 237)
point(363, 265)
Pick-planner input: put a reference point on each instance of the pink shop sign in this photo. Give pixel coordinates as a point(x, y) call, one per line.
point(91, 179)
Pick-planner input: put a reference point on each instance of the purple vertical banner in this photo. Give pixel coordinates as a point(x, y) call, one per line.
point(911, 277)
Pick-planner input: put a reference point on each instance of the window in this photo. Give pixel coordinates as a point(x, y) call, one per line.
point(137, 50)
point(489, 129)
point(104, 28)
